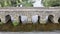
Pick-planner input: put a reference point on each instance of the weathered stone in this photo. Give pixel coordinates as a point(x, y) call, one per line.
point(29, 11)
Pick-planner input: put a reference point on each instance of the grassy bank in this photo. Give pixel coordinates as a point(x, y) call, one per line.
point(29, 27)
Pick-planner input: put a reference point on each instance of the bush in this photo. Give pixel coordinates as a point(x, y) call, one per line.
point(51, 3)
point(15, 23)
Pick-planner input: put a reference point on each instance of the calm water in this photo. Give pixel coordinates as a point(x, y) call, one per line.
point(29, 32)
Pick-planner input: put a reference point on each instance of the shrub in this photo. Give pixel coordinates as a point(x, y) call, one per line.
point(15, 23)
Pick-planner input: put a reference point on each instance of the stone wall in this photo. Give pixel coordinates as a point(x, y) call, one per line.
point(29, 12)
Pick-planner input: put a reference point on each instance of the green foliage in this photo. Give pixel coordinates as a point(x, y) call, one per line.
point(1, 23)
point(15, 23)
point(27, 4)
point(14, 3)
point(51, 3)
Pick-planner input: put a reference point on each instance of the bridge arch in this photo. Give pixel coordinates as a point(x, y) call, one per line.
point(50, 19)
point(8, 19)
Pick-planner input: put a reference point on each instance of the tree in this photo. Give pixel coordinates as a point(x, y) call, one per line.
point(14, 3)
point(51, 3)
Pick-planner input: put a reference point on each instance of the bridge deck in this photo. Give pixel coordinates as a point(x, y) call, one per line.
point(29, 9)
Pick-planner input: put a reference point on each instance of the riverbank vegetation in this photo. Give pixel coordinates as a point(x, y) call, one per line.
point(28, 3)
point(15, 3)
point(51, 3)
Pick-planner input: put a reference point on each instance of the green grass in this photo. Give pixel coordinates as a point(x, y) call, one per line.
point(15, 23)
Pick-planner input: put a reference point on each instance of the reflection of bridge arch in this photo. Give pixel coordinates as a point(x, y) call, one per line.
point(8, 19)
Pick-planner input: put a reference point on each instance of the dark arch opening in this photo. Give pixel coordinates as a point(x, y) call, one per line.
point(0, 19)
point(59, 20)
point(20, 20)
point(38, 19)
point(8, 19)
point(50, 19)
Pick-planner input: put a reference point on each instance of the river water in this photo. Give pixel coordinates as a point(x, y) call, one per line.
point(29, 32)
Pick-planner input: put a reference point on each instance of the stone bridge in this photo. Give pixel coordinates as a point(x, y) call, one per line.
point(29, 12)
